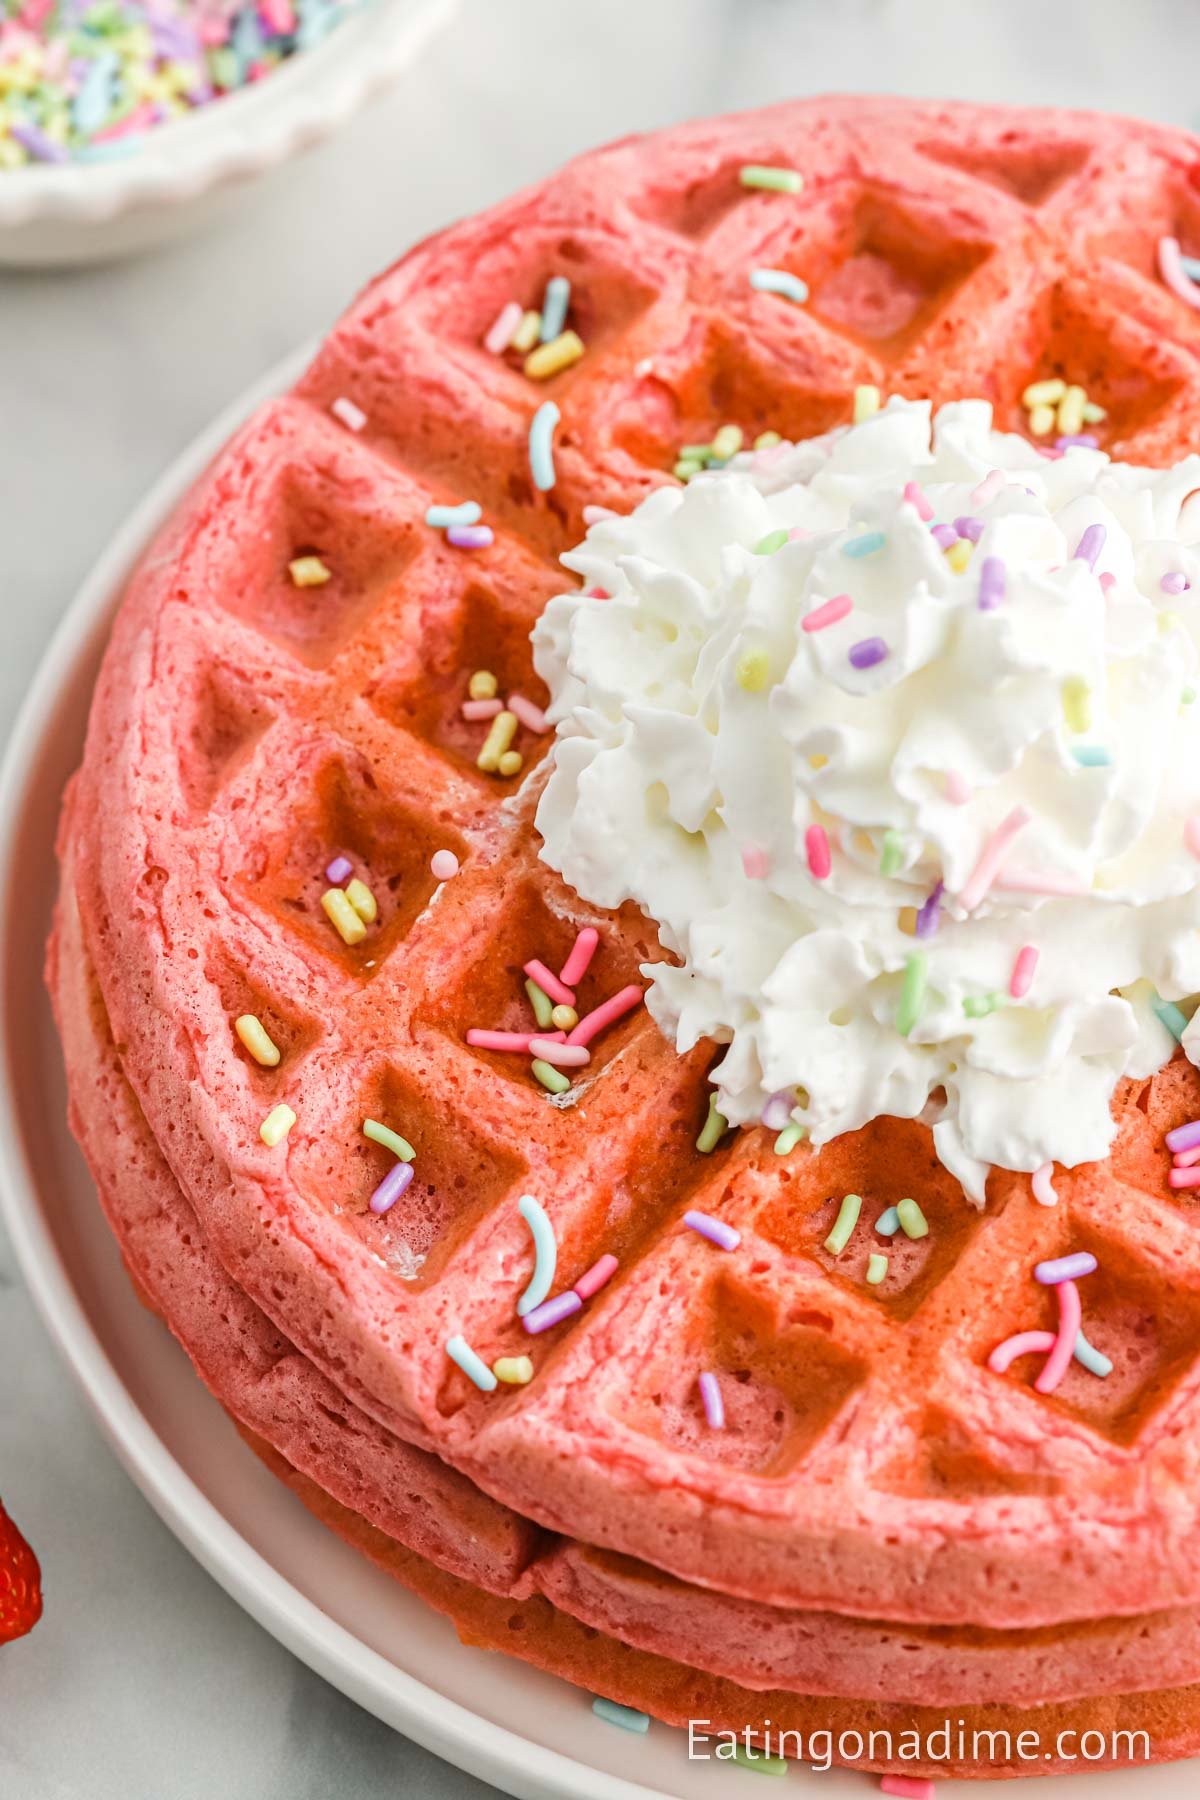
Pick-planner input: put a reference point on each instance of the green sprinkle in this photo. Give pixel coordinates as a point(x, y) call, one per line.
point(913, 1222)
point(686, 467)
point(1187, 696)
point(877, 1268)
point(978, 1006)
point(912, 993)
point(767, 440)
point(542, 1005)
point(714, 1128)
point(759, 1761)
point(888, 1223)
point(727, 442)
point(391, 1140)
point(549, 1076)
point(762, 175)
point(1169, 1015)
point(753, 670)
point(624, 1716)
point(893, 853)
point(774, 540)
point(847, 1219)
point(700, 453)
point(788, 1138)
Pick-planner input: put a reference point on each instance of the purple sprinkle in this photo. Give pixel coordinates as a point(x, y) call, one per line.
point(777, 1113)
point(39, 145)
point(1174, 582)
point(1066, 1268)
point(714, 1406)
point(470, 537)
point(1080, 440)
point(339, 870)
point(930, 913)
point(552, 1312)
point(1090, 545)
point(943, 536)
point(969, 528)
point(715, 1230)
point(992, 582)
point(867, 652)
point(391, 1187)
point(1184, 1137)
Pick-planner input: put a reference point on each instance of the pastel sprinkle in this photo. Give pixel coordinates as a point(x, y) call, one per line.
point(1170, 267)
point(912, 992)
point(753, 671)
point(598, 1276)
point(352, 417)
point(929, 914)
point(816, 845)
point(993, 582)
point(867, 545)
point(545, 1249)
point(503, 328)
point(1183, 1178)
point(442, 518)
point(541, 445)
point(913, 1222)
point(715, 1230)
point(978, 1006)
point(564, 1018)
point(1022, 1343)
point(1043, 1189)
point(1024, 969)
point(342, 916)
point(915, 496)
point(1169, 1014)
point(532, 717)
point(827, 614)
point(1065, 1268)
point(781, 282)
point(867, 652)
point(1077, 703)
point(559, 1055)
point(1184, 1159)
point(509, 763)
point(554, 307)
point(714, 1405)
point(866, 403)
point(958, 788)
point(398, 1177)
point(549, 982)
point(362, 900)
point(892, 853)
point(623, 1716)
point(1093, 1360)
point(877, 1268)
point(308, 571)
point(606, 1014)
point(944, 536)
point(758, 1761)
point(549, 1076)
point(714, 1128)
point(339, 871)
point(1191, 834)
point(552, 1312)
point(276, 1125)
point(1070, 1318)
point(254, 1037)
point(995, 849)
point(514, 1371)
point(726, 443)
point(908, 1787)
point(1174, 582)
point(579, 960)
point(472, 1366)
point(496, 743)
point(1071, 407)
point(1090, 545)
point(774, 540)
point(762, 175)
point(527, 333)
point(969, 527)
point(517, 1041)
point(550, 359)
point(844, 1224)
point(443, 865)
point(1184, 1137)
point(788, 1138)
point(777, 1112)
point(1044, 393)
point(470, 537)
point(483, 684)
point(988, 488)
point(888, 1223)
point(1091, 756)
point(391, 1140)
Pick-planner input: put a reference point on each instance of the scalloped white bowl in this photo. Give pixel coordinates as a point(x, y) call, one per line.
point(183, 174)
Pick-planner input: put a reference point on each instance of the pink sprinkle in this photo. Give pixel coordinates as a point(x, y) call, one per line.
point(958, 788)
point(908, 1787)
point(595, 515)
point(714, 1406)
point(755, 864)
point(604, 1015)
point(481, 709)
point(796, 533)
point(915, 497)
point(1070, 1318)
point(828, 614)
point(816, 843)
point(1184, 1178)
point(991, 484)
point(352, 417)
point(1039, 881)
point(1191, 834)
point(1042, 1184)
point(991, 856)
point(558, 1054)
point(444, 865)
point(531, 716)
point(1107, 580)
point(596, 593)
point(518, 1041)
point(137, 120)
point(582, 952)
point(1170, 267)
point(1025, 1343)
point(549, 983)
point(1187, 1159)
point(596, 1277)
point(500, 332)
point(1023, 968)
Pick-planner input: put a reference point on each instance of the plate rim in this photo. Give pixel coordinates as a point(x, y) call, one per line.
point(439, 1724)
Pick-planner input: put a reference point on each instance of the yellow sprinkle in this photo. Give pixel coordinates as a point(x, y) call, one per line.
point(908, 920)
point(862, 840)
point(958, 555)
point(308, 571)
point(1093, 414)
point(866, 402)
point(727, 442)
point(342, 916)
point(1169, 621)
point(511, 763)
point(753, 670)
point(1044, 393)
point(276, 1125)
point(1070, 411)
point(767, 440)
point(1077, 703)
point(549, 359)
point(817, 760)
point(526, 334)
point(482, 685)
point(564, 1018)
point(362, 900)
point(497, 741)
point(1041, 421)
point(257, 1041)
point(515, 1370)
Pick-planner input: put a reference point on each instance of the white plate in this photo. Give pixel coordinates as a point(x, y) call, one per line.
point(531, 1735)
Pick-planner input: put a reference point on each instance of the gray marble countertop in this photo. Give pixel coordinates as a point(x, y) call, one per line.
point(144, 1682)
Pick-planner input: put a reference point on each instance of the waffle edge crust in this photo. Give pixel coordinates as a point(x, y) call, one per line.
point(877, 1487)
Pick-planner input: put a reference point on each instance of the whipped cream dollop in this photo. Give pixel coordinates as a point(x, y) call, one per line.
point(893, 734)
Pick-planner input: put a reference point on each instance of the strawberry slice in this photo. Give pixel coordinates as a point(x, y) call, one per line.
point(20, 1583)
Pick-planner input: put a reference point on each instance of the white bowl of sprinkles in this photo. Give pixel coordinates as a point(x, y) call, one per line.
point(142, 187)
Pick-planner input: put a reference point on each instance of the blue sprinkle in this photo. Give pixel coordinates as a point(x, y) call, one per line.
point(541, 445)
point(94, 101)
point(442, 517)
point(867, 545)
point(1191, 266)
point(781, 282)
point(624, 1716)
point(1169, 1015)
point(460, 1352)
point(1094, 1361)
point(554, 307)
point(888, 1223)
point(1091, 756)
